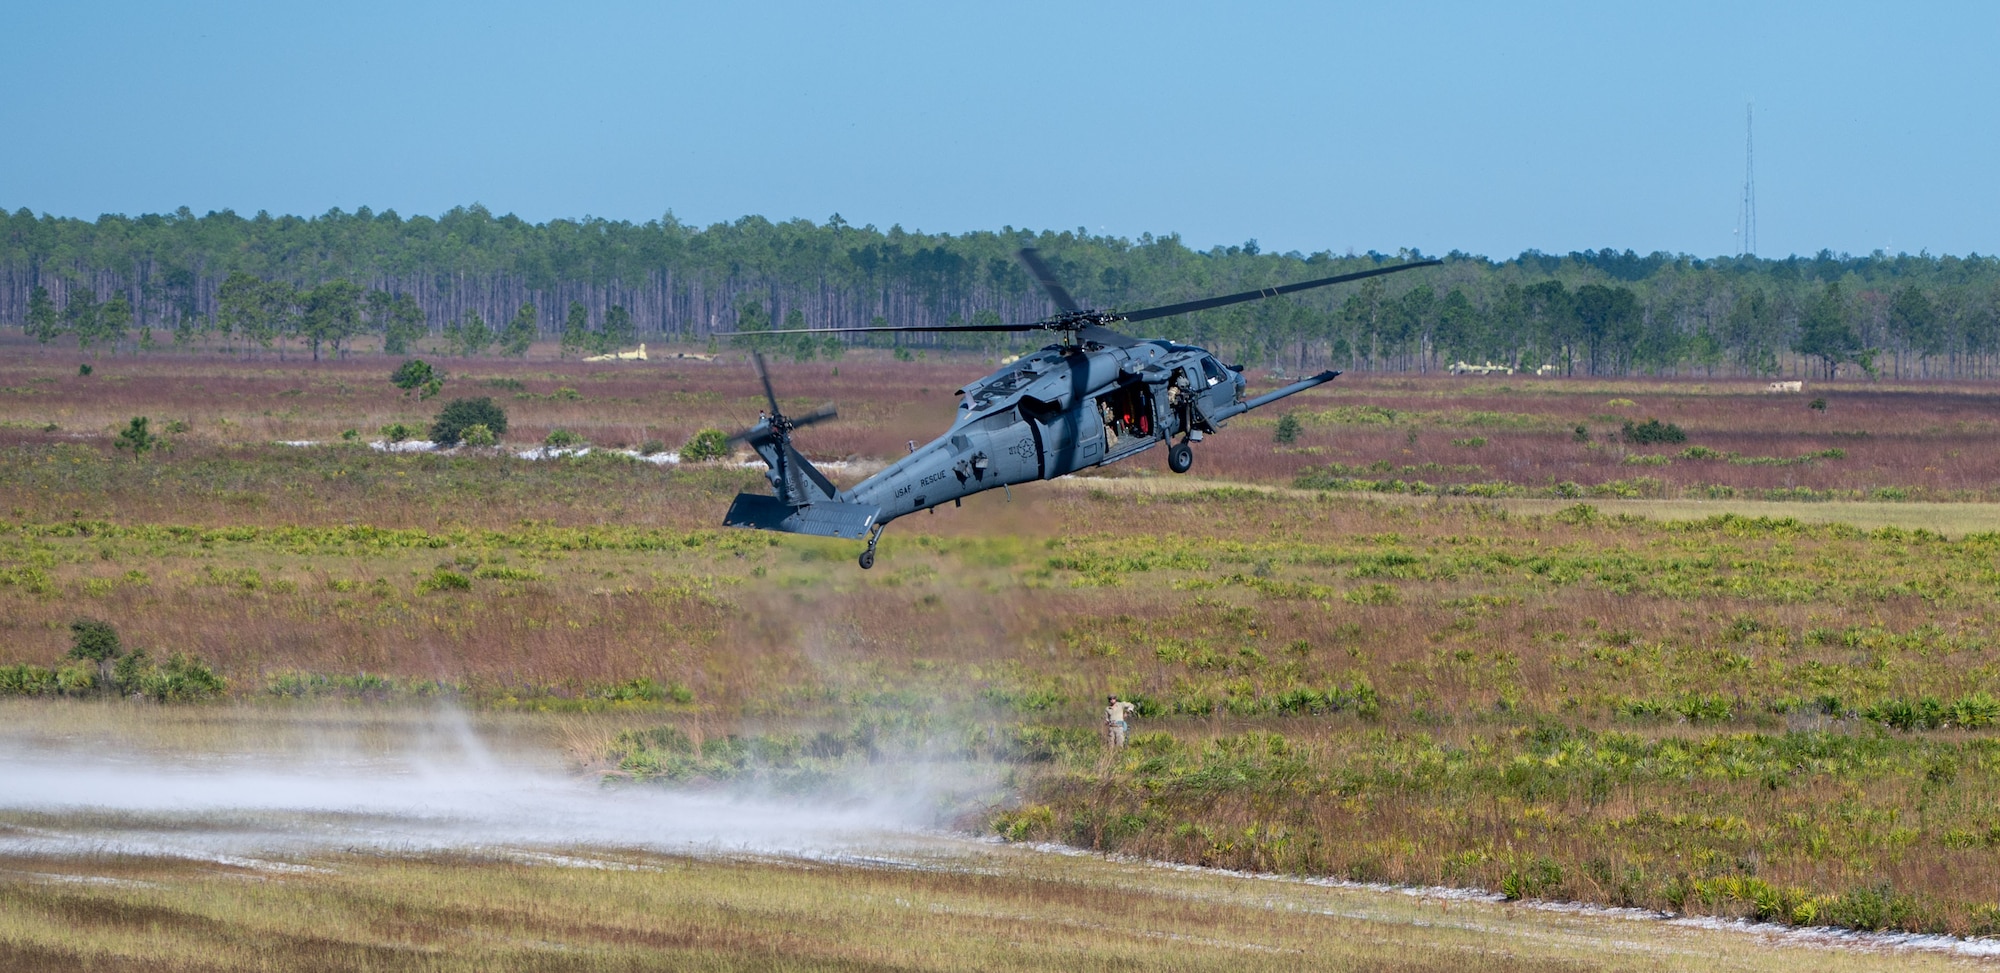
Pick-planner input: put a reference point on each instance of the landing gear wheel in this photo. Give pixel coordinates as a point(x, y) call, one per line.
point(868, 556)
point(1180, 457)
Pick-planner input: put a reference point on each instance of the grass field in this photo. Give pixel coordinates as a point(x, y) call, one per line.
point(1535, 673)
point(633, 911)
point(424, 881)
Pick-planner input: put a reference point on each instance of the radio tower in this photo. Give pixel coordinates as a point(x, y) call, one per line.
point(1747, 231)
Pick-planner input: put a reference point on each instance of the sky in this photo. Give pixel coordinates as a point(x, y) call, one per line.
point(1482, 127)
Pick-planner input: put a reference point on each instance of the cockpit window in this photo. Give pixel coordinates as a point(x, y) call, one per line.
point(1212, 370)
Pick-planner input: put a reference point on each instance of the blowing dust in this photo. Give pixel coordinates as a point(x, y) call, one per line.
point(432, 784)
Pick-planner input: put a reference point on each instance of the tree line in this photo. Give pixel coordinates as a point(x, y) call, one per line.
point(485, 284)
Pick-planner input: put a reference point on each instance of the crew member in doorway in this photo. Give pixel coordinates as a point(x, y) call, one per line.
point(1116, 712)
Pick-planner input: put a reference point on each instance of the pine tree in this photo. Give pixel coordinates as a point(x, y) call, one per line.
point(519, 333)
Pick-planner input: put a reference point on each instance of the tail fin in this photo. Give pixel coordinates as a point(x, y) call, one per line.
point(793, 477)
point(806, 501)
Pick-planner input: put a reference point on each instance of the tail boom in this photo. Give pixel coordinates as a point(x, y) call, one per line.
point(825, 518)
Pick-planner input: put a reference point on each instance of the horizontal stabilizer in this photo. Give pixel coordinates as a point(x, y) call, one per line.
point(825, 518)
point(1273, 396)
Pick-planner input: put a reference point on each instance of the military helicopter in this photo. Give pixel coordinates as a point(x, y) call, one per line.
point(1093, 398)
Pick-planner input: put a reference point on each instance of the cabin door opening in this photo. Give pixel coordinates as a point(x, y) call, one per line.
point(1127, 414)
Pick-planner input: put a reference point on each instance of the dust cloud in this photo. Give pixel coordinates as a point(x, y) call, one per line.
point(443, 789)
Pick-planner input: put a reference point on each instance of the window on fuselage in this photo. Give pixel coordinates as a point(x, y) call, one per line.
point(997, 422)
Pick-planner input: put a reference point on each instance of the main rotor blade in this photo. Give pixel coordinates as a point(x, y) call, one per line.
point(764, 375)
point(1032, 326)
point(1105, 336)
point(1047, 279)
point(1204, 304)
point(1058, 324)
point(820, 414)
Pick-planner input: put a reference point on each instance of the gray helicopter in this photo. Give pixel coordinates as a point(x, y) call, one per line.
point(1093, 398)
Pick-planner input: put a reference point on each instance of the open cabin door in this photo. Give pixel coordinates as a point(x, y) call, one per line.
point(1127, 417)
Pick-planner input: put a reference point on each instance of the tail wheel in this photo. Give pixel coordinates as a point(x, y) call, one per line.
point(867, 559)
point(1180, 457)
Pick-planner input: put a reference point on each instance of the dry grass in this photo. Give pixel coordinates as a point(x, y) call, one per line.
point(996, 628)
point(994, 912)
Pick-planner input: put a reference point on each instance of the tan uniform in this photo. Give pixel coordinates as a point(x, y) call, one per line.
point(1114, 717)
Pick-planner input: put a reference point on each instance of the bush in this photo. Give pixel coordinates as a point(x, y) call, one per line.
point(27, 680)
point(644, 690)
point(183, 678)
point(1288, 429)
point(562, 439)
point(93, 641)
point(705, 445)
point(1653, 431)
point(651, 447)
point(443, 580)
point(76, 679)
point(137, 437)
point(477, 435)
point(416, 377)
point(460, 414)
point(396, 432)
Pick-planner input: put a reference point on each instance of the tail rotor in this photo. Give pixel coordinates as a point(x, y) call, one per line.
point(771, 437)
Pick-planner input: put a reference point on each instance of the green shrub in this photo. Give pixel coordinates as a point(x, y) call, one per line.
point(129, 675)
point(460, 414)
point(645, 690)
point(416, 377)
point(1288, 429)
point(1652, 432)
point(183, 679)
point(705, 445)
point(1975, 711)
point(443, 580)
point(500, 572)
point(1473, 443)
point(477, 435)
point(562, 439)
point(83, 369)
point(1703, 452)
point(652, 447)
point(76, 679)
point(1927, 713)
point(396, 432)
point(137, 437)
point(27, 680)
point(93, 641)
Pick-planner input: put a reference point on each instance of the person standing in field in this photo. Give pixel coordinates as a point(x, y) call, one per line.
point(1116, 712)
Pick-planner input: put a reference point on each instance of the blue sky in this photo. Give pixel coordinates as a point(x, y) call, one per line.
point(1489, 128)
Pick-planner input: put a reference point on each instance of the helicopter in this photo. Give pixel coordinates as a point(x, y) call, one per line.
point(1092, 398)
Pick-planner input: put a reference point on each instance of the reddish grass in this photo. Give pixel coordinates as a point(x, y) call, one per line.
point(1931, 440)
